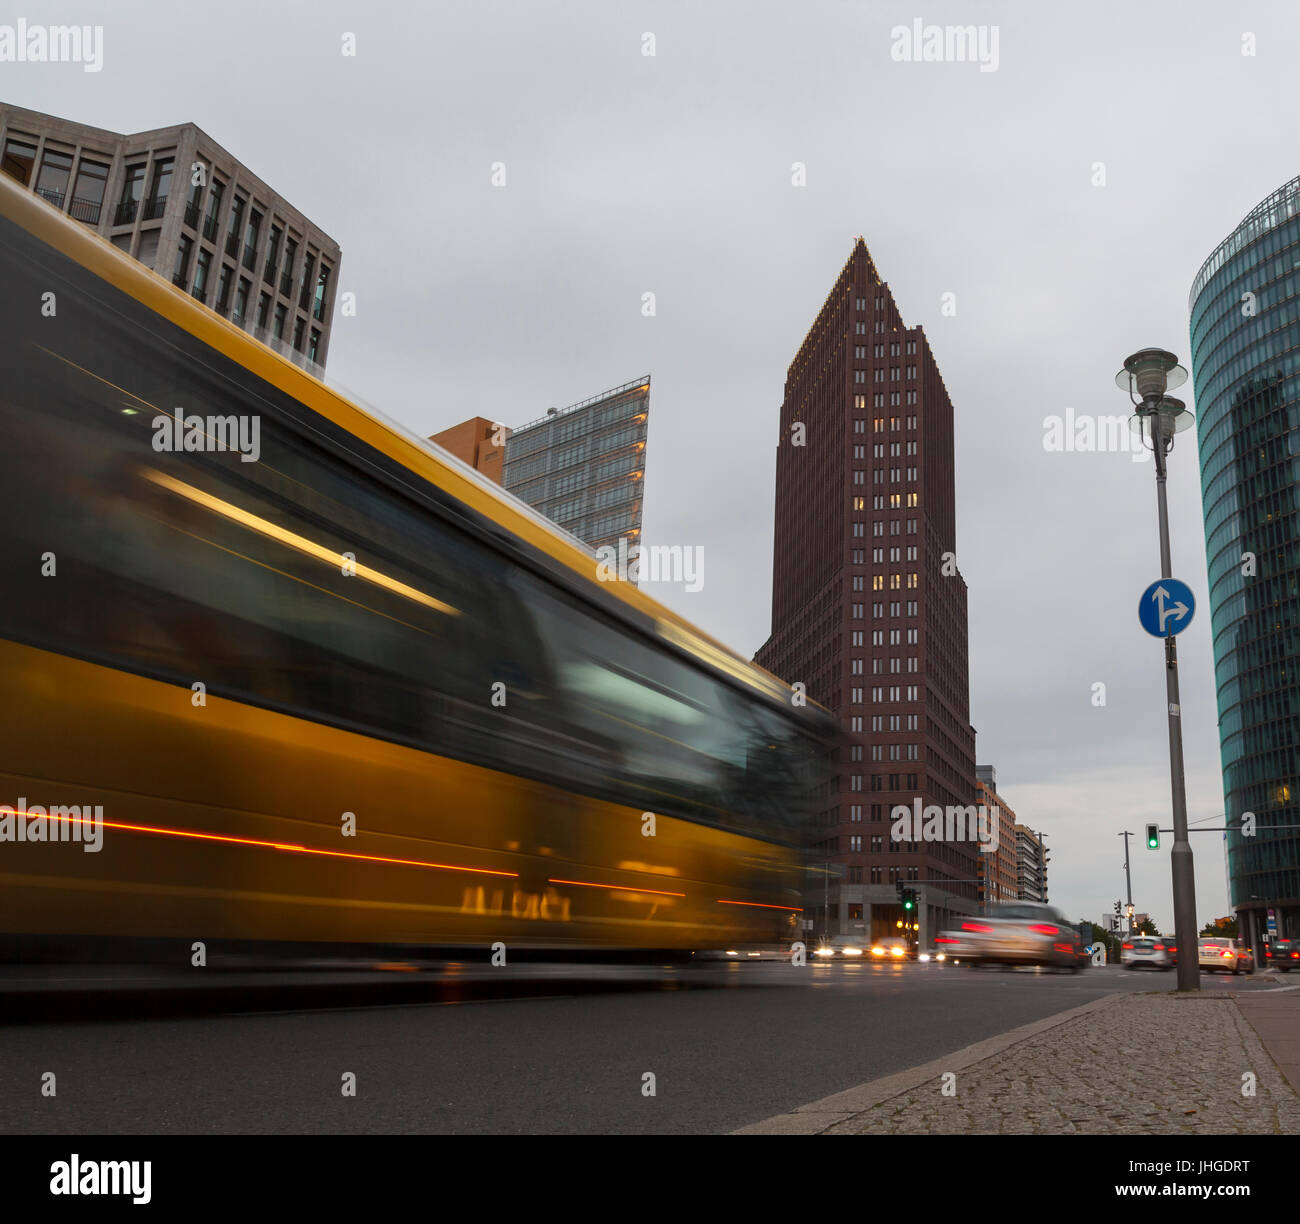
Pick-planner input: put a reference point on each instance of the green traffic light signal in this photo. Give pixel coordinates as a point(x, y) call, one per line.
point(909, 900)
point(1153, 837)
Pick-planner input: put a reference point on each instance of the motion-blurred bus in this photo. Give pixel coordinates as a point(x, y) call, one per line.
point(342, 691)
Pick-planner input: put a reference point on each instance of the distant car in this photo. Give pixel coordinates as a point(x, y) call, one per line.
point(1149, 950)
point(842, 947)
point(1015, 933)
point(892, 949)
point(1223, 955)
point(1282, 954)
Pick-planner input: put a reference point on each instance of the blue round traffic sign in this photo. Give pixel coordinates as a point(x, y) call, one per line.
point(1166, 607)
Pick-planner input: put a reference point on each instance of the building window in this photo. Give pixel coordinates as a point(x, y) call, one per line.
point(299, 328)
point(313, 345)
point(272, 254)
point(281, 315)
point(855, 847)
point(241, 302)
point(308, 274)
point(263, 310)
point(290, 259)
point(88, 195)
point(236, 225)
point(162, 185)
point(19, 158)
point(212, 218)
point(223, 289)
point(251, 236)
point(56, 170)
point(132, 190)
point(182, 271)
point(192, 209)
point(200, 289)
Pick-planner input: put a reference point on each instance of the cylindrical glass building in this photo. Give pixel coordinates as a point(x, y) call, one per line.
point(1245, 326)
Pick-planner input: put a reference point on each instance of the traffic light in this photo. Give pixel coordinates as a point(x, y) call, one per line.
point(1117, 909)
point(909, 900)
point(1153, 837)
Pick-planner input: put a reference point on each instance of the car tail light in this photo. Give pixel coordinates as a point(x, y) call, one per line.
point(1160, 947)
point(975, 926)
point(1128, 947)
point(1227, 956)
point(1296, 955)
point(943, 939)
point(1043, 928)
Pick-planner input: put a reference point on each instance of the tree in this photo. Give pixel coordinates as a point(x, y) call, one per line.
point(1222, 927)
point(1148, 928)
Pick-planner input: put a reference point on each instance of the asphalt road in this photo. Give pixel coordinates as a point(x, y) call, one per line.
point(727, 1045)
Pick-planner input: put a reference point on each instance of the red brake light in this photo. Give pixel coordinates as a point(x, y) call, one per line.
point(975, 926)
point(943, 939)
point(1227, 955)
point(1128, 947)
point(1160, 947)
point(1043, 928)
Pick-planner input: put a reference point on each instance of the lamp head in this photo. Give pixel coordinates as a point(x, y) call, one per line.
point(1150, 372)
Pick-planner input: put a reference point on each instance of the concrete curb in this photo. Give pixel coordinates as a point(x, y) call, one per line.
point(819, 1116)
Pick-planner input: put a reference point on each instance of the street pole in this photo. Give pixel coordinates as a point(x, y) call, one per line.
point(1184, 877)
point(1128, 877)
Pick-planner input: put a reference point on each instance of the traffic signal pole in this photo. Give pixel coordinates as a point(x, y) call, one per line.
point(1128, 879)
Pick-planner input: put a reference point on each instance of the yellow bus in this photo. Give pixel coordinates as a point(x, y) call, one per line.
point(274, 671)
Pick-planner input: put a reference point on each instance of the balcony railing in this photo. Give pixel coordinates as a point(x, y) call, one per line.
point(250, 257)
point(286, 281)
point(180, 278)
point(51, 196)
point(268, 274)
point(232, 244)
point(192, 216)
point(126, 212)
point(155, 208)
point(199, 295)
point(210, 229)
point(86, 210)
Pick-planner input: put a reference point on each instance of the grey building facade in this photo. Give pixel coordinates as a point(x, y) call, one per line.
point(181, 204)
point(584, 466)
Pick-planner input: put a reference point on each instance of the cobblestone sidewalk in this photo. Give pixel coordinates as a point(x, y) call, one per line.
point(1147, 1064)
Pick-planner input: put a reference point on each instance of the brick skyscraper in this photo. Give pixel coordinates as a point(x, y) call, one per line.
point(868, 607)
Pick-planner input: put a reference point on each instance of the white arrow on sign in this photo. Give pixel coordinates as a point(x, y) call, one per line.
point(1178, 611)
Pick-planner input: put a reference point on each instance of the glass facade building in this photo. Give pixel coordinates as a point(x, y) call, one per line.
point(1245, 335)
point(584, 466)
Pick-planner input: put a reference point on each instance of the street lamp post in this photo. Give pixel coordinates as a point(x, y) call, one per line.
point(1146, 376)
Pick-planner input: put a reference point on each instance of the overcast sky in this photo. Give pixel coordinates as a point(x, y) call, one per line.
point(628, 173)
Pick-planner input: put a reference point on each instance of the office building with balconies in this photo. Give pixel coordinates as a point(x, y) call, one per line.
point(177, 201)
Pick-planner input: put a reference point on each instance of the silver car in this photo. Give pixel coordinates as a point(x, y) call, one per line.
point(1151, 950)
point(1015, 933)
